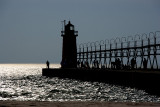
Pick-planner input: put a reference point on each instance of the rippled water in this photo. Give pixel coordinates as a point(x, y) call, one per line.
point(24, 82)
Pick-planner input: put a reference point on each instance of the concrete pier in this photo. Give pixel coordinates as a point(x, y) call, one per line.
point(145, 80)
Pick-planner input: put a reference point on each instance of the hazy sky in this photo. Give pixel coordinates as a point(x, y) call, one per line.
point(30, 29)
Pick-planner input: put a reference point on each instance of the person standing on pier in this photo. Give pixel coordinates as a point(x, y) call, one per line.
point(133, 63)
point(47, 63)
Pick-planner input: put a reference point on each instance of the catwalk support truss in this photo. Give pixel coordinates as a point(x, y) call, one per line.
point(105, 53)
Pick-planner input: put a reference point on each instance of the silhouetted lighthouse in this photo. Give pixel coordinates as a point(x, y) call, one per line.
point(69, 49)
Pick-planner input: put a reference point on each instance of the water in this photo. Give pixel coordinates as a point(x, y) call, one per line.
point(23, 82)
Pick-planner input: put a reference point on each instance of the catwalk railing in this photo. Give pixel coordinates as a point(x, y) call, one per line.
point(132, 52)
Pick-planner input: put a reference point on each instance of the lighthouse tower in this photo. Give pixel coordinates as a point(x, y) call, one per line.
point(69, 49)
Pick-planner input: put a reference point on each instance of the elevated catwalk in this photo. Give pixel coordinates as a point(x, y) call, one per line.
point(145, 80)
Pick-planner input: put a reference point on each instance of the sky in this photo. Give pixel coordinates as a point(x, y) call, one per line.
point(30, 30)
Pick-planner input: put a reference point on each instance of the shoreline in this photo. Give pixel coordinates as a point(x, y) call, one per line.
point(76, 104)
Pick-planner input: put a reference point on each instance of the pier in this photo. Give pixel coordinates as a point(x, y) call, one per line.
point(145, 80)
point(128, 61)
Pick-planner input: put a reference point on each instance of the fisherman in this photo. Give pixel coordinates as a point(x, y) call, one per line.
point(47, 63)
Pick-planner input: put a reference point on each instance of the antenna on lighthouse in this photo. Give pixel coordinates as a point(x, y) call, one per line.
point(63, 24)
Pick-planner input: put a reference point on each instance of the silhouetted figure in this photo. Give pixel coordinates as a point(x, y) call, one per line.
point(82, 65)
point(145, 63)
point(78, 64)
point(133, 62)
point(63, 63)
point(118, 63)
point(47, 63)
point(97, 64)
point(87, 64)
point(94, 63)
point(113, 65)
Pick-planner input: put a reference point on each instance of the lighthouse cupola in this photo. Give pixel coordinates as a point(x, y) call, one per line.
point(69, 49)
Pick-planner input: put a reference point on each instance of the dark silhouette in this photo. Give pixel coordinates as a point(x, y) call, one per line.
point(47, 63)
point(123, 48)
point(97, 64)
point(143, 80)
point(78, 64)
point(145, 63)
point(87, 64)
point(113, 65)
point(69, 49)
point(118, 63)
point(124, 66)
point(82, 65)
point(133, 63)
point(94, 64)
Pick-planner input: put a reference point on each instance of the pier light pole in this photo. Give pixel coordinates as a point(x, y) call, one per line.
point(105, 54)
point(100, 54)
point(83, 54)
point(122, 54)
point(143, 37)
point(81, 48)
point(117, 40)
point(86, 46)
point(96, 43)
point(92, 45)
point(111, 51)
point(80, 53)
point(88, 54)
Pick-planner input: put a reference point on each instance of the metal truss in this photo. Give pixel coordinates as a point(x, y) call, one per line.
point(104, 53)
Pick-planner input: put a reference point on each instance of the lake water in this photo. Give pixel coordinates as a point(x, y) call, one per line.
point(24, 82)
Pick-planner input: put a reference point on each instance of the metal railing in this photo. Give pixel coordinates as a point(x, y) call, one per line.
point(117, 53)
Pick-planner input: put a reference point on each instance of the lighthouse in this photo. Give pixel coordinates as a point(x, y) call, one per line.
point(69, 46)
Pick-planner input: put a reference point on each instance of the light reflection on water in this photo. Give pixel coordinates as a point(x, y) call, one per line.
point(24, 82)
